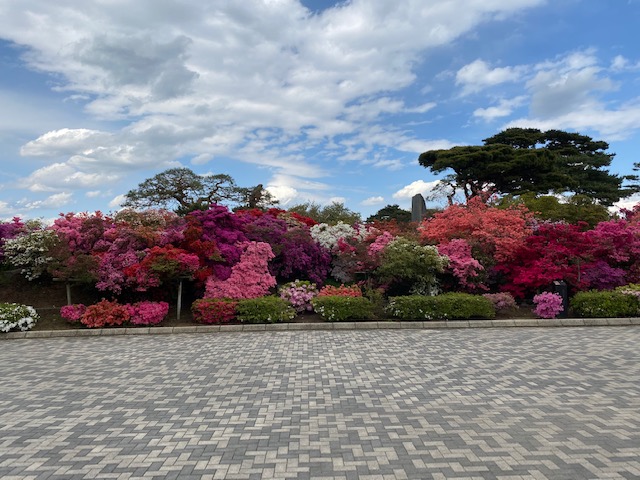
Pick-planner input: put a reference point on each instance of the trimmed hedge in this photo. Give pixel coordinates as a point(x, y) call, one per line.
point(269, 309)
point(604, 304)
point(448, 306)
point(339, 309)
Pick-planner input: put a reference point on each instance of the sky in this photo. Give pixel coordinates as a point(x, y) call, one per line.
point(317, 100)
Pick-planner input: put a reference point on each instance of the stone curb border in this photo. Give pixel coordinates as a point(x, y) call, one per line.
point(337, 326)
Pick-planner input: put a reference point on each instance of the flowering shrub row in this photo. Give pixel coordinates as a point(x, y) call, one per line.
point(109, 313)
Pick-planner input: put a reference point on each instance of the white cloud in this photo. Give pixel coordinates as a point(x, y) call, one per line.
point(504, 108)
point(372, 201)
point(56, 200)
point(477, 76)
point(117, 201)
point(414, 188)
point(283, 193)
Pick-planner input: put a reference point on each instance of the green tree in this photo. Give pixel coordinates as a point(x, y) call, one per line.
point(330, 214)
point(518, 161)
point(577, 208)
point(391, 212)
point(183, 190)
point(256, 197)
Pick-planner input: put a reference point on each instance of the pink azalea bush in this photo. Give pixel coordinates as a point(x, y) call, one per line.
point(148, 313)
point(462, 265)
point(299, 294)
point(548, 305)
point(250, 277)
point(503, 302)
point(73, 313)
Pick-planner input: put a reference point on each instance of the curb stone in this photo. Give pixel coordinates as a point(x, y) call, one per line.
point(328, 326)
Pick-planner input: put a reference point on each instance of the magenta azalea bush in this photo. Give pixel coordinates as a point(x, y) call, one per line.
point(548, 305)
point(503, 302)
point(148, 313)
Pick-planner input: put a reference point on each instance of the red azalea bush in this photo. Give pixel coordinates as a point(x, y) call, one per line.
point(341, 291)
point(214, 311)
point(105, 314)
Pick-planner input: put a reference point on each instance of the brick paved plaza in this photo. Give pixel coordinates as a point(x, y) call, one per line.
point(557, 403)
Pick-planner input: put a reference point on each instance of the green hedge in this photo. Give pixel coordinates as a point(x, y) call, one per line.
point(448, 306)
point(270, 309)
point(604, 304)
point(339, 309)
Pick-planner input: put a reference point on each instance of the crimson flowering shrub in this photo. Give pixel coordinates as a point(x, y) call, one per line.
point(249, 278)
point(220, 227)
point(299, 294)
point(341, 291)
point(162, 264)
point(105, 313)
point(147, 313)
point(548, 305)
point(214, 311)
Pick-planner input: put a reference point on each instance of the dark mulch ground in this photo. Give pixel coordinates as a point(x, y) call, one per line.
point(47, 297)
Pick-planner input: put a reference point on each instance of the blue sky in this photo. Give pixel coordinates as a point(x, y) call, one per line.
point(316, 100)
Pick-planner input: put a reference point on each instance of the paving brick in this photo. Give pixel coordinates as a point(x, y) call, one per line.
point(482, 403)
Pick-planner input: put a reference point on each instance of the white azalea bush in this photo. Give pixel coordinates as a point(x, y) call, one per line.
point(329, 235)
point(14, 316)
point(30, 252)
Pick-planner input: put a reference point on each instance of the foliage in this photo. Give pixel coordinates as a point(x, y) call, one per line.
point(391, 212)
point(214, 310)
point(597, 304)
point(250, 277)
point(548, 305)
point(574, 209)
point(494, 234)
point(148, 313)
point(269, 309)
point(519, 161)
point(9, 230)
point(183, 189)
point(341, 308)
point(299, 294)
point(31, 252)
point(448, 306)
point(406, 266)
point(341, 291)
point(14, 316)
point(503, 302)
point(256, 197)
point(105, 313)
point(160, 265)
point(331, 214)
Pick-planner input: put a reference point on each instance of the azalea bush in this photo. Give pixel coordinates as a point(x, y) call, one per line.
point(407, 267)
point(597, 304)
point(31, 252)
point(14, 316)
point(341, 291)
point(108, 313)
point(214, 311)
point(249, 278)
point(299, 294)
point(341, 308)
point(269, 309)
point(147, 313)
point(548, 305)
point(503, 302)
point(448, 306)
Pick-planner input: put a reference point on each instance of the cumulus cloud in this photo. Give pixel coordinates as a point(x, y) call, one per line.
point(56, 200)
point(372, 201)
point(504, 108)
point(414, 188)
point(478, 75)
point(117, 201)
